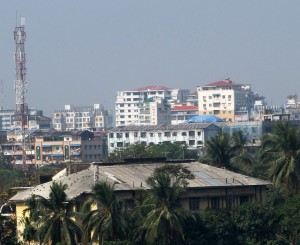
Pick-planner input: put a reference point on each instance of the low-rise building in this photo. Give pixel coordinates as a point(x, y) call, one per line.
point(211, 188)
point(182, 113)
point(193, 134)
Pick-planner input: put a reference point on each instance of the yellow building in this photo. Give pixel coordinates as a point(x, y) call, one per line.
point(211, 188)
point(226, 100)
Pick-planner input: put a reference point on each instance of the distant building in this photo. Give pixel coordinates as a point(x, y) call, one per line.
point(36, 120)
point(182, 113)
point(52, 146)
point(193, 134)
point(154, 111)
point(82, 118)
point(68, 146)
point(227, 100)
point(129, 103)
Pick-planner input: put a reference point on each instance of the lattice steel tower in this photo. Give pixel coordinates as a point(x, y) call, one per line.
point(21, 84)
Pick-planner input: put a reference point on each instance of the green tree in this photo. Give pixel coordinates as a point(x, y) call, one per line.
point(228, 151)
point(161, 214)
point(107, 219)
point(30, 216)
point(281, 151)
point(56, 223)
point(256, 224)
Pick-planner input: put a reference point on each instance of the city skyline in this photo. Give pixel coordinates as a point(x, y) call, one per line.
point(82, 53)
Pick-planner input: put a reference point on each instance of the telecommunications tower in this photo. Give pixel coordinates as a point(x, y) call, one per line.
point(21, 114)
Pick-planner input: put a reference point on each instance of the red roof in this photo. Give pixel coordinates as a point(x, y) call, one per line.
point(223, 83)
point(185, 108)
point(153, 87)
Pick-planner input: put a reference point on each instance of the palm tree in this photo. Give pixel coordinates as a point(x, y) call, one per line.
point(29, 219)
point(161, 213)
point(107, 219)
point(229, 152)
point(281, 150)
point(219, 151)
point(57, 223)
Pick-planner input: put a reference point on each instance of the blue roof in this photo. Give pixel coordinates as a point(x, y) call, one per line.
point(204, 119)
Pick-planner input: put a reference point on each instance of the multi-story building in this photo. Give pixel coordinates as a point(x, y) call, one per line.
point(227, 100)
point(51, 146)
point(128, 104)
point(82, 118)
point(68, 146)
point(154, 111)
point(35, 120)
point(194, 134)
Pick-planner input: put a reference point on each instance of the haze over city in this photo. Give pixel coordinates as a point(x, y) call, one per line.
point(83, 52)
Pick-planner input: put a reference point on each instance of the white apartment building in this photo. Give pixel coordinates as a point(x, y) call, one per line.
point(82, 118)
point(227, 100)
point(194, 134)
point(129, 104)
point(35, 120)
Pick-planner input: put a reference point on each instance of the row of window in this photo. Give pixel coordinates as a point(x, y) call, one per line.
point(121, 144)
point(216, 202)
point(217, 95)
point(151, 134)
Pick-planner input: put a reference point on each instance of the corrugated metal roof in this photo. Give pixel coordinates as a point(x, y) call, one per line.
point(133, 176)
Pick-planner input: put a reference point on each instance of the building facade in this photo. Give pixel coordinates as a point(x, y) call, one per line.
point(35, 120)
point(226, 100)
point(128, 104)
point(193, 134)
point(82, 118)
point(182, 113)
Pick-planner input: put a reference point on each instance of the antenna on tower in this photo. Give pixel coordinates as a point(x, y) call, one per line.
point(21, 114)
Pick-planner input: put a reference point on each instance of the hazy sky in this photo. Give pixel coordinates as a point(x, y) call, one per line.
point(82, 52)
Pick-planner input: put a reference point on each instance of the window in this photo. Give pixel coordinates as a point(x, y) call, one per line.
point(215, 202)
point(127, 135)
point(135, 134)
point(119, 144)
point(174, 134)
point(183, 133)
point(167, 134)
point(151, 134)
point(229, 202)
point(199, 133)
point(119, 135)
point(191, 133)
point(143, 134)
point(244, 199)
point(194, 204)
point(191, 142)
